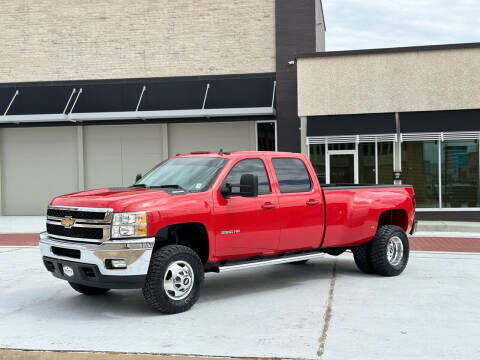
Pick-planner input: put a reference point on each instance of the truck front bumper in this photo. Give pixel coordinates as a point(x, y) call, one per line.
point(91, 264)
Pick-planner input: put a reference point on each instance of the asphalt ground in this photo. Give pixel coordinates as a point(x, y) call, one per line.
point(324, 309)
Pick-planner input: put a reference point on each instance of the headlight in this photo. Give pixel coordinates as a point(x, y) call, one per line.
point(129, 225)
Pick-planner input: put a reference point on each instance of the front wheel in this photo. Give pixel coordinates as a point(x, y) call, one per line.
point(88, 290)
point(389, 251)
point(173, 280)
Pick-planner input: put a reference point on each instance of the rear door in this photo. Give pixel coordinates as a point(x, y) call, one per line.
point(301, 205)
point(246, 226)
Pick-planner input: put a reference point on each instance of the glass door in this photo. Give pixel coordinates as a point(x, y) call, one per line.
point(342, 167)
point(266, 135)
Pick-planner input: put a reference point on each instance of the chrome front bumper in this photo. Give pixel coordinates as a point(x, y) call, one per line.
point(136, 253)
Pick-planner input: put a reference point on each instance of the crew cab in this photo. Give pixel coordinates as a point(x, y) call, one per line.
point(217, 212)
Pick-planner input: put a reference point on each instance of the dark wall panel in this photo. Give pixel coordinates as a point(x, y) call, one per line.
point(448, 215)
point(226, 91)
point(436, 121)
point(351, 124)
point(295, 34)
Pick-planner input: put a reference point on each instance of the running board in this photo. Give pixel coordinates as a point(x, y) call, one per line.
point(283, 260)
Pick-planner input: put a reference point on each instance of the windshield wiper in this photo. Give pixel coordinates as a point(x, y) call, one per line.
point(171, 186)
point(139, 185)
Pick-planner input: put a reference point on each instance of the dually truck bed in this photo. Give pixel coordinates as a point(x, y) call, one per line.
point(353, 212)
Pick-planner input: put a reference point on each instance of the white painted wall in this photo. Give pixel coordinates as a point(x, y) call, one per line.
point(114, 154)
point(37, 164)
point(229, 136)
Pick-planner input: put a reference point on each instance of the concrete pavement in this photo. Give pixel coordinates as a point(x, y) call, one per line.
point(430, 311)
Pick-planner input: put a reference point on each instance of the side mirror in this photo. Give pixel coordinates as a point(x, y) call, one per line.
point(226, 190)
point(138, 177)
point(249, 185)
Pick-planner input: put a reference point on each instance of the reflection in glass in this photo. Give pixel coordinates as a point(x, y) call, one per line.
point(317, 157)
point(420, 169)
point(460, 172)
point(342, 169)
point(342, 146)
point(366, 163)
point(385, 163)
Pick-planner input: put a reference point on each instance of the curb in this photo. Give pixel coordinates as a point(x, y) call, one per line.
point(16, 354)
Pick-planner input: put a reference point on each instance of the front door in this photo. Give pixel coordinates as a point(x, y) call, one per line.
point(247, 226)
point(342, 167)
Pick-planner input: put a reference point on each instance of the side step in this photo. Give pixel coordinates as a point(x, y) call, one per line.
point(283, 260)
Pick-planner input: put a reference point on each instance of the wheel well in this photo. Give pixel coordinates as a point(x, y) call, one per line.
point(193, 235)
point(398, 217)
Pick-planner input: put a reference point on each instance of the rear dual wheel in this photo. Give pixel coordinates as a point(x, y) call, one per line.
point(387, 254)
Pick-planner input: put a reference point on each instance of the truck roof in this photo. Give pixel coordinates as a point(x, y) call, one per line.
point(236, 154)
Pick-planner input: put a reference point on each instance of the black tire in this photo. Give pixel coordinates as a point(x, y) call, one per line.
point(361, 255)
point(387, 236)
point(88, 290)
point(301, 262)
point(154, 291)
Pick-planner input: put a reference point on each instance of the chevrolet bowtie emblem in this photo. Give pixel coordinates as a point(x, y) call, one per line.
point(67, 222)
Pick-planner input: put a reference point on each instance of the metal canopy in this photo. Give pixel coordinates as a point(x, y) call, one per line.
point(207, 97)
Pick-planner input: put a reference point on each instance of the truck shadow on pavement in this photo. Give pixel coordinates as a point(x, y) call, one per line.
point(217, 287)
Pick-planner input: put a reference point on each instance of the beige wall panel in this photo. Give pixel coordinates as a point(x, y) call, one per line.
point(395, 82)
point(229, 136)
point(114, 154)
point(76, 39)
point(38, 164)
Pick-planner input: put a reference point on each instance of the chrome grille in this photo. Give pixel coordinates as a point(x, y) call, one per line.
point(89, 224)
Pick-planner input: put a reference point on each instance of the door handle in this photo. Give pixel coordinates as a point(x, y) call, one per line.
point(268, 206)
point(312, 202)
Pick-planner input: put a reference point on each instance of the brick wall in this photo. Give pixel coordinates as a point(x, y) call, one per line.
point(45, 40)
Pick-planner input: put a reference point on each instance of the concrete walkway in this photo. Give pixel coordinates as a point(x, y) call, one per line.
point(324, 309)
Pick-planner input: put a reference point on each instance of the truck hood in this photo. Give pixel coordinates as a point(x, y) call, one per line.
point(118, 199)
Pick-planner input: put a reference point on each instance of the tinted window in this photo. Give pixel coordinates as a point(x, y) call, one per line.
point(250, 166)
point(292, 175)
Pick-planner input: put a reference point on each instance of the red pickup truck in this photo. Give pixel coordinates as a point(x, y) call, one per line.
point(216, 212)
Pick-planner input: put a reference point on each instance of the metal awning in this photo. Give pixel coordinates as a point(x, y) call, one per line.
point(181, 98)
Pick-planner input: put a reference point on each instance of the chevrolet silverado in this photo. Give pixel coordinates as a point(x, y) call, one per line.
point(217, 212)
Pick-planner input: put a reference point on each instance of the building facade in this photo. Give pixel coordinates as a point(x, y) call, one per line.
point(92, 93)
point(404, 115)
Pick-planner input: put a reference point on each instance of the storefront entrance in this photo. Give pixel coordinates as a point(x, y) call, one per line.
point(342, 167)
point(339, 162)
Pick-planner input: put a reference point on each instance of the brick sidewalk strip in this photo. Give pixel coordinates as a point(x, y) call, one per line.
point(447, 244)
point(19, 239)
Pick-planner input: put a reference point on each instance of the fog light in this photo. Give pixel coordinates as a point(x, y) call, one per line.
point(118, 263)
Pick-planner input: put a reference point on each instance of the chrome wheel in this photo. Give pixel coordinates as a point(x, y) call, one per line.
point(394, 251)
point(178, 280)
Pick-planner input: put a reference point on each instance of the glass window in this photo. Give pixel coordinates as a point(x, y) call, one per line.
point(317, 157)
point(250, 166)
point(194, 174)
point(385, 163)
point(266, 136)
point(460, 173)
point(366, 163)
point(292, 175)
point(420, 169)
point(342, 146)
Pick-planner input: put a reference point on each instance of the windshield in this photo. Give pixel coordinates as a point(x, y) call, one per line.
point(193, 174)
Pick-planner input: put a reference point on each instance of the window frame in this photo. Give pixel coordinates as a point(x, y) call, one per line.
point(270, 184)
